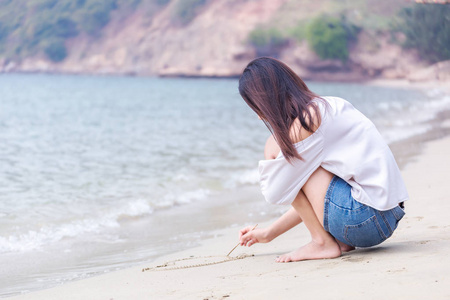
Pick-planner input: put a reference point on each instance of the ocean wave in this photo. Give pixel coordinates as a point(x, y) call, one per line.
point(399, 134)
point(178, 198)
point(246, 177)
point(50, 234)
point(417, 120)
point(439, 103)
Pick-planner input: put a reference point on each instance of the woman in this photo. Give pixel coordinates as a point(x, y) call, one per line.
point(326, 160)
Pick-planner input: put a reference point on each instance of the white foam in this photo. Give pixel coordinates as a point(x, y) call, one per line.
point(190, 196)
point(388, 106)
point(247, 177)
point(49, 234)
point(181, 177)
point(398, 134)
point(415, 121)
point(439, 103)
point(134, 209)
point(436, 92)
point(178, 198)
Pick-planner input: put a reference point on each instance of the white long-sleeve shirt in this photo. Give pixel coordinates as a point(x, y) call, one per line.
point(346, 144)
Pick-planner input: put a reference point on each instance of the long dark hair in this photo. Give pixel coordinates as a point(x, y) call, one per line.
point(279, 97)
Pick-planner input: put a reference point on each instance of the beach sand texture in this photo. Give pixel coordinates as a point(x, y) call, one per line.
point(413, 264)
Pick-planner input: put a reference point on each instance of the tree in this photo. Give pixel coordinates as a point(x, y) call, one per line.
point(427, 29)
point(56, 50)
point(330, 36)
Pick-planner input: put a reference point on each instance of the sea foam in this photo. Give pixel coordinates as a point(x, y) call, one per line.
point(52, 233)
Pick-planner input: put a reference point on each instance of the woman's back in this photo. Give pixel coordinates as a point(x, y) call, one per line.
point(346, 144)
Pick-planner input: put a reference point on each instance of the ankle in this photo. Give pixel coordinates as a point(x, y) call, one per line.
point(324, 241)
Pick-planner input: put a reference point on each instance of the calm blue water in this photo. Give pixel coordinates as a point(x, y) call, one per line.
point(96, 171)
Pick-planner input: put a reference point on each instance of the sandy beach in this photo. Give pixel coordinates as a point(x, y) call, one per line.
point(412, 264)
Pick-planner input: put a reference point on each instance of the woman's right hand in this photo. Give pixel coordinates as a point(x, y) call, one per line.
point(248, 237)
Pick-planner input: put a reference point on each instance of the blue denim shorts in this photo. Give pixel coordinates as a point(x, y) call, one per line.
point(354, 223)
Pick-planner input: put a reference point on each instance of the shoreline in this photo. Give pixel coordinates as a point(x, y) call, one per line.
point(405, 83)
point(375, 81)
point(410, 264)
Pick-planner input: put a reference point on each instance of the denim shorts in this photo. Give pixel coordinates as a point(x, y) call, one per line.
point(354, 223)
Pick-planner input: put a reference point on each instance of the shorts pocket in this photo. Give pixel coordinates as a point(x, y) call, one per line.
point(365, 234)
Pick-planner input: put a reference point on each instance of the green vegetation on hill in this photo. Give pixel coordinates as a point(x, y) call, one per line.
point(42, 27)
point(33, 27)
point(426, 28)
point(329, 26)
point(186, 10)
point(330, 37)
point(30, 27)
point(266, 41)
point(366, 14)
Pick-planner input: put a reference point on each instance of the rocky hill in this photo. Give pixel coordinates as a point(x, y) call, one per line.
point(214, 41)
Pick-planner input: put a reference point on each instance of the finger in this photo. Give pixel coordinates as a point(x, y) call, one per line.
point(245, 229)
point(246, 236)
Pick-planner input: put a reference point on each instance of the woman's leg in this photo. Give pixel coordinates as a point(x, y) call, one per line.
point(316, 188)
point(309, 204)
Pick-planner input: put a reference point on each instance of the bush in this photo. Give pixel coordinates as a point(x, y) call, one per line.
point(97, 16)
point(186, 10)
point(94, 21)
point(162, 2)
point(29, 27)
point(427, 29)
point(66, 28)
point(267, 41)
point(298, 32)
point(56, 51)
point(46, 4)
point(330, 36)
point(266, 37)
point(4, 32)
point(80, 3)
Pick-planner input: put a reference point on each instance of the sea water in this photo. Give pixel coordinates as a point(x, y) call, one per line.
point(102, 173)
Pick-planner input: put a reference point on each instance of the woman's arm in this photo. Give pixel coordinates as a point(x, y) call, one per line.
point(271, 148)
point(248, 237)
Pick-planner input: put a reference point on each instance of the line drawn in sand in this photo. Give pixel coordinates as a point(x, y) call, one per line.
point(201, 261)
point(194, 262)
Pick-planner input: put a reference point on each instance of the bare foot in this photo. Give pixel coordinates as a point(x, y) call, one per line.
point(312, 251)
point(345, 247)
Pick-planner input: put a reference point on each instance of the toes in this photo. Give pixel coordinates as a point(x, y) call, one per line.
point(283, 259)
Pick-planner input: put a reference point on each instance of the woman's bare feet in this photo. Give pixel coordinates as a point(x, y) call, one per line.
point(312, 250)
point(345, 247)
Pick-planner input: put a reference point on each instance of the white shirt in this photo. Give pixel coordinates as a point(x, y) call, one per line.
point(346, 144)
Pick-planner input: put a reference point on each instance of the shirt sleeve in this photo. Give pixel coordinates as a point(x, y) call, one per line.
point(281, 181)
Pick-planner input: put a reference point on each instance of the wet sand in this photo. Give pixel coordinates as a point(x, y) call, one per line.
point(412, 264)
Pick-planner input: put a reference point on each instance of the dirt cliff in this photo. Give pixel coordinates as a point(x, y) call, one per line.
point(214, 43)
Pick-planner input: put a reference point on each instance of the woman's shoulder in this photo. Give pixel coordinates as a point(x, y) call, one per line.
point(298, 133)
point(271, 150)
